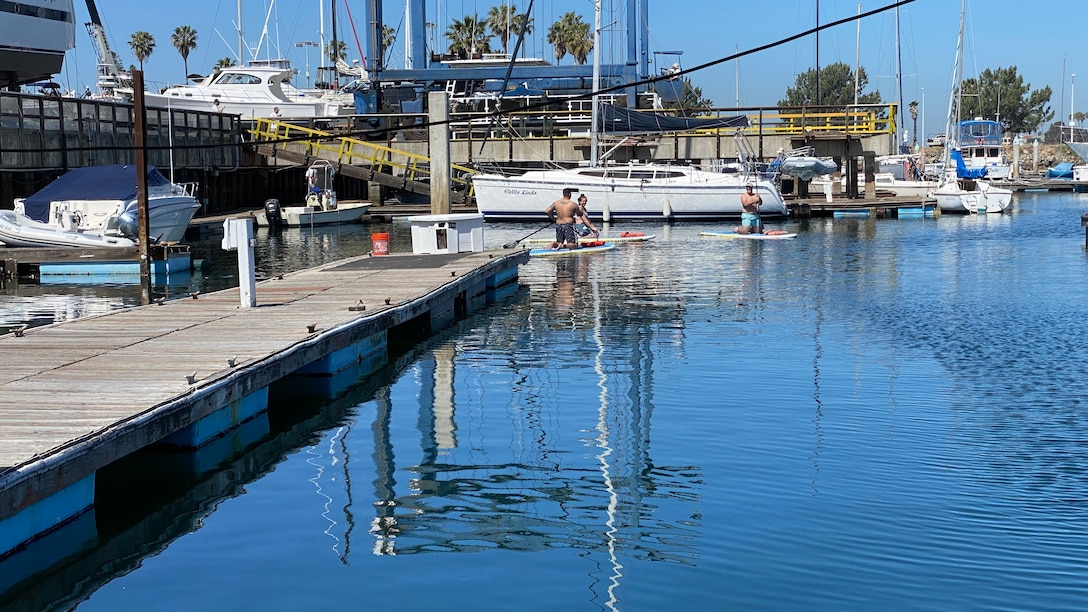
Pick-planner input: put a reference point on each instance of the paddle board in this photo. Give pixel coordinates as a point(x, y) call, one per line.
point(747, 236)
point(579, 251)
point(624, 237)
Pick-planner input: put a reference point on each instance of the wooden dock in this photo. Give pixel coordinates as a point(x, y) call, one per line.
point(78, 395)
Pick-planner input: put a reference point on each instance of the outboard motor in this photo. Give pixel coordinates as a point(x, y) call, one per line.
point(273, 213)
point(128, 224)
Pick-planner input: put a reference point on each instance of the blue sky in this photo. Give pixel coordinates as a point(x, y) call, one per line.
point(999, 33)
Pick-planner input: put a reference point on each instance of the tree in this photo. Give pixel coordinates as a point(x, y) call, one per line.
point(142, 44)
point(580, 42)
point(1001, 94)
point(389, 36)
point(184, 40)
point(836, 87)
point(693, 98)
point(225, 62)
point(565, 31)
point(504, 21)
point(914, 117)
point(468, 37)
point(336, 49)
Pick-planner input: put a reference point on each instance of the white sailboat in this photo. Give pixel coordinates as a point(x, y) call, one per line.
point(964, 190)
point(633, 191)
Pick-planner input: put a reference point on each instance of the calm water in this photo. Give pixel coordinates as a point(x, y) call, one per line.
point(885, 414)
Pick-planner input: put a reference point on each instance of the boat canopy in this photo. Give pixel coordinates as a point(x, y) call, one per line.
point(114, 182)
point(979, 132)
point(618, 120)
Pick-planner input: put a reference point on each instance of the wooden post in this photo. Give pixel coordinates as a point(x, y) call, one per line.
point(139, 119)
point(438, 116)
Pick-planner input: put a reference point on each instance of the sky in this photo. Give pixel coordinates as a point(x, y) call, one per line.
point(1042, 43)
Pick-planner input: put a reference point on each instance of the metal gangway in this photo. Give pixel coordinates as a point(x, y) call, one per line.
point(357, 158)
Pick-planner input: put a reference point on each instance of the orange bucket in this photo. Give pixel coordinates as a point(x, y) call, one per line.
point(380, 242)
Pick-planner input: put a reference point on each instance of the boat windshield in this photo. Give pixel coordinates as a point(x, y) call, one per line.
point(980, 133)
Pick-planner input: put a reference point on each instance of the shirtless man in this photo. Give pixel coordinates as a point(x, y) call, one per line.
point(749, 218)
point(563, 212)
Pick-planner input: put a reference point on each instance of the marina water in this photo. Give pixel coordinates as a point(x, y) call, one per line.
point(879, 414)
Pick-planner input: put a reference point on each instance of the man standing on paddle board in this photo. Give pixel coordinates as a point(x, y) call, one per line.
point(563, 212)
point(749, 218)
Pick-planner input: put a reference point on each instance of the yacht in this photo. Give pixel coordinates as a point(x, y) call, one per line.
point(981, 144)
point(249, 91)
point(34, 36)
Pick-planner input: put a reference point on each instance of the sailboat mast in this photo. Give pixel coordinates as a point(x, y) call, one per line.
point(241, 58)
point(857, 57)
point(898, 75)
point(954, 101)
point(594, 138)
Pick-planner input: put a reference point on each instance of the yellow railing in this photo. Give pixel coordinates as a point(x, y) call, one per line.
point(867, 120)
point(353, 151)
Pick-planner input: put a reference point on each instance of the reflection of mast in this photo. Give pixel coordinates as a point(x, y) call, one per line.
point(349, 518)
point(606, 451)
point(326, 514)
point(817, 355)
point(384, 525)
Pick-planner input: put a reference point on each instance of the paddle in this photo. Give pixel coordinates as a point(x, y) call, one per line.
point(510, 245)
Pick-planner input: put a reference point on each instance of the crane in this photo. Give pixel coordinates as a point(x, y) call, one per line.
point(110, 73)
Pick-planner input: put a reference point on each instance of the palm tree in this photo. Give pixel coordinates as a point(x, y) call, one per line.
point(580, 42)
point(468, 37)
point(142, 44)
point(562, 32)
point(184, 40)
point(336, 49)
point(389, 36)
point(226, 62)
point(914, 116)
point(504, 21)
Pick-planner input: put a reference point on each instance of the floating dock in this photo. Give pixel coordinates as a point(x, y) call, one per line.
point(80, 395)
point(166, 259)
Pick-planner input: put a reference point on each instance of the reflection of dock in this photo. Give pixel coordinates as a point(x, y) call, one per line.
point(79, 395)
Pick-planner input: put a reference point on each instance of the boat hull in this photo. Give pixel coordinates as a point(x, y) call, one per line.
point(21, 231)
point(967, 197)
point(305, 216)
point(526, 197)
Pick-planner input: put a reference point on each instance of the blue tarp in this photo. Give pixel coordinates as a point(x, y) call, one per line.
point(617, 120)
point(962, 171)
point(93, 183)
point(1063, 170)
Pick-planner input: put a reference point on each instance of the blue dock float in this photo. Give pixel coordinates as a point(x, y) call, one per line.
point(196, 374)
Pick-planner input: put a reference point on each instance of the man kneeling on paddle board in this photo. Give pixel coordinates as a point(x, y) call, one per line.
point(749, 217)
point(563, 212)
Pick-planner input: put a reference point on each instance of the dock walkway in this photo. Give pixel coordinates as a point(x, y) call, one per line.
point(78, 395)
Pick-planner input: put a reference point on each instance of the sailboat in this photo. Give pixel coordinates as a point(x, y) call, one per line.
point(631, 191)
point(963, 189)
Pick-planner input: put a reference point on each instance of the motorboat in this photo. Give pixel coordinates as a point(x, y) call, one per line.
point(981, 144)
point(632, 191)
point(34, 36)
point(18, 230)
point(102, 200)
point(883, 181)
point(251, 92)
point(320, 206)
